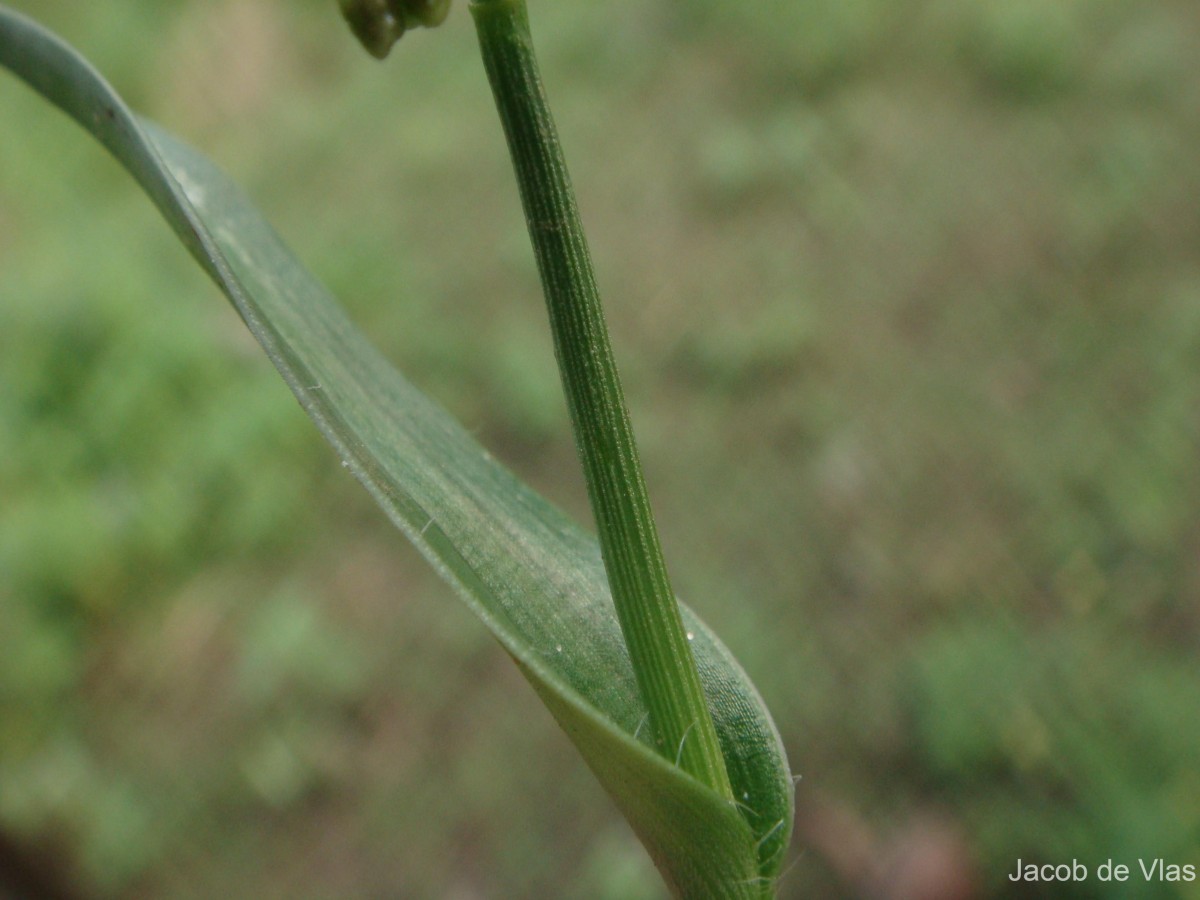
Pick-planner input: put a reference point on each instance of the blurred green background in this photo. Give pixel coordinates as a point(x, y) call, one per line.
point(907, 298)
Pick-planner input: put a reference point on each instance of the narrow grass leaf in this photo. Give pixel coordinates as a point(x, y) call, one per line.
point(533, 576)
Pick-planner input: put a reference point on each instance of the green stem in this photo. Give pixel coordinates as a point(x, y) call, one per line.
point(646, 606)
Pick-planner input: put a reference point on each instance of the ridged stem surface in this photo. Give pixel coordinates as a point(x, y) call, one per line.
point(646, 606)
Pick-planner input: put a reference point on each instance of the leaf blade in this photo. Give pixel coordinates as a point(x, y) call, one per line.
point(533, 577)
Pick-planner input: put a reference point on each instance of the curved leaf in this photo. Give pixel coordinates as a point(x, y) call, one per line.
point(534, 577)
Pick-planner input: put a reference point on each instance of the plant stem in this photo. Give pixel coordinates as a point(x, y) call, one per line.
point(646, 606)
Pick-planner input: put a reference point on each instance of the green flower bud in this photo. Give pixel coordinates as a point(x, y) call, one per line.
point(380, 23)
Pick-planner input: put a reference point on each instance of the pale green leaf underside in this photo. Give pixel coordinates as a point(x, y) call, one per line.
point(532, 575)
